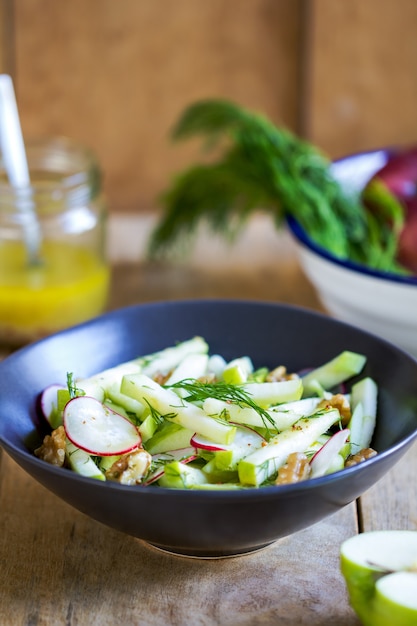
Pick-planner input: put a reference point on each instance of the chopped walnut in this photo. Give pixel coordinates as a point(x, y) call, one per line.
point(207, 379)
point(362, 455)
point(339, 402)
point(130, 468)
point(52, 449)
point(161, 378)
point(278, 374)
point(295, 469)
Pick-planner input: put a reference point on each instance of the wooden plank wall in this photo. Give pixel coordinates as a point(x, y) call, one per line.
point(362, 74)
point(116, 75)
point(7, 48)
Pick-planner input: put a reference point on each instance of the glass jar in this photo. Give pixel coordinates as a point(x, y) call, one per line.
point(53, 268)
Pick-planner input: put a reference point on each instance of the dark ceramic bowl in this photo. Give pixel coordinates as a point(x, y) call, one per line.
point(208, 524)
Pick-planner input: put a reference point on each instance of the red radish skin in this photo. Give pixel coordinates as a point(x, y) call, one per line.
point(183, 455)
point(97, 429)
point(322, 459)
point(206, 444)
point(242, 432)
point(47, 400)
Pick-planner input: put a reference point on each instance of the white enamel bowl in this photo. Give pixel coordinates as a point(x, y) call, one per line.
point(379, 302)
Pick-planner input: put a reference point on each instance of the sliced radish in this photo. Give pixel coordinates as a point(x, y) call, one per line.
point(97, 429)
point(245, 438)
point(183, 455)
point(48, 403)
point(324, 457)
point(203, 443)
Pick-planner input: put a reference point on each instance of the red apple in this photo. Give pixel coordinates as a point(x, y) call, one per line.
point(400, 173)
point(407, 253)
point(400, 177)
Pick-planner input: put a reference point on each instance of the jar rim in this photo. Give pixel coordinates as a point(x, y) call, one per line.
point(64, 167)
point(60, 155)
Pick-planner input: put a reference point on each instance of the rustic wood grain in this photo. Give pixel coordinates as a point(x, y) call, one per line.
point(7, 42)
point(149, 282)
point(116, 75)
point(392, 503)
point(60, 567)
point(362, 76)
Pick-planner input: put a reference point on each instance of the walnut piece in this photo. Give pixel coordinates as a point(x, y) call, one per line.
point(295, 469)
point(207, 379)
point(130, 468)
point(339, 402)
point(362, 455)
point(161, 378)
point(279, 374)
point(52, 449)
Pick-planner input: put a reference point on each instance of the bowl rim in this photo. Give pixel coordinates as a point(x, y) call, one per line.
point(16, 452)
point(302, 237)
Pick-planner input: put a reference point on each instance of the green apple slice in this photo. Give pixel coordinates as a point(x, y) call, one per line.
point(397, 596)
point(237, 371)
point(380, 569)
point(330, 374)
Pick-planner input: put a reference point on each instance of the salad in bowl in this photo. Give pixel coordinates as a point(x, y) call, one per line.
point(181, 418)
point(125, 420)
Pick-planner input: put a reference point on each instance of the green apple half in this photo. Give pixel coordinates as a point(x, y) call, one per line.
point(380, 569)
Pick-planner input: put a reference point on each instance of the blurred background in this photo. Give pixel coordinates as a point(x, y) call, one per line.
point(116, 75)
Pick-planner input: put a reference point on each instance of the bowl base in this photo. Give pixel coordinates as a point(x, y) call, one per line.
point(208, 555)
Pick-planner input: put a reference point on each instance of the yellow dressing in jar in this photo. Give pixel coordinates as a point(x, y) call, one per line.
point(70, 283)
point(69, 287)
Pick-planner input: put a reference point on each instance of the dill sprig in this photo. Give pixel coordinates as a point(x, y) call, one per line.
point(157, 415)
point(259, 166)
point(73, 390)
point(198, 391)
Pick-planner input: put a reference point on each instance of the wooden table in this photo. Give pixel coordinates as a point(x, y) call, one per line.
point(59, 567)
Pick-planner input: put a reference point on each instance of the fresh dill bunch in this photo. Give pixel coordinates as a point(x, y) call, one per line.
point(258, 166)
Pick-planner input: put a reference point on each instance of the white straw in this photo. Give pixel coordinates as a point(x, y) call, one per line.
point(15, 162)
